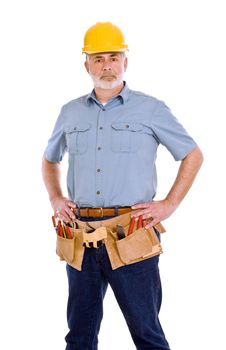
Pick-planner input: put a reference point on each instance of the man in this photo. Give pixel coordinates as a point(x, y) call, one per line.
point(112, 136)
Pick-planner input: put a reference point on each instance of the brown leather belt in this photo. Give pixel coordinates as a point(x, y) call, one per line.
point(100, 212)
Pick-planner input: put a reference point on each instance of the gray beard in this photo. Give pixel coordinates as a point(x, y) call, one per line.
point(107, 85)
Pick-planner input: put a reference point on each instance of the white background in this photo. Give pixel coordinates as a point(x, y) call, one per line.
point(177, 54)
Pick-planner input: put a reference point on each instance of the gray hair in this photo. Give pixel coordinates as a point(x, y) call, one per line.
point(88, 55)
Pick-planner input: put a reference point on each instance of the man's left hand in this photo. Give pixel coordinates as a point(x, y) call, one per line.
point(156, 211)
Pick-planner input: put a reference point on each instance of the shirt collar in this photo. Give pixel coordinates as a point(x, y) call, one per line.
point(123, 95)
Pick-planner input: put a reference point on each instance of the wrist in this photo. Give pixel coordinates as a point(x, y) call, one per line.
point(55, 198)
point(171, 203)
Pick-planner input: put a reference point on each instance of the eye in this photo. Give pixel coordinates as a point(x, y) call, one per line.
point(98, 59)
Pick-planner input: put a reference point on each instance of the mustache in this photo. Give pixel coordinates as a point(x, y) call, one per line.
point(107, 75)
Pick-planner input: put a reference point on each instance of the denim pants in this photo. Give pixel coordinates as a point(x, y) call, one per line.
point(137, 288)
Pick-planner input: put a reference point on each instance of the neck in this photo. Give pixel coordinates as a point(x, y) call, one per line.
point(104, 95)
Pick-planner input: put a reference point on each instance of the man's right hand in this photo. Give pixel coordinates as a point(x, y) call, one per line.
point(64, 209)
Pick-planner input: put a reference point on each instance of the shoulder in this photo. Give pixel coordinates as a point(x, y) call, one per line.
point(144, 97)
point(148, 101)
point(75, 104)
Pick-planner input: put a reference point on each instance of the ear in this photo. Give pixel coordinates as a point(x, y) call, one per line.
point(125, 63)
point(86, 64)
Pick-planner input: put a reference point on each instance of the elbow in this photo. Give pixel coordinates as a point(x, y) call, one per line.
point(200, 157)
point(196, 157)
point(46, 161)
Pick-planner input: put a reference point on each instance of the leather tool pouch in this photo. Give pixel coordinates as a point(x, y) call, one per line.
point(141, 244)
point(71, 249)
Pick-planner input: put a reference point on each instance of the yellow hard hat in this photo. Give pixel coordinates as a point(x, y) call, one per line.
point(104, 37)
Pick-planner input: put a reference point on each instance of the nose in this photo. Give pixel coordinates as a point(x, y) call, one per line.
point(107, 67)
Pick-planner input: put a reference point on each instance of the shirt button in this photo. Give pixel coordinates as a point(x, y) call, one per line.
point(75, 128)
point(101, 127)
point(98, 170)
point(99, 148)
point(127, 125)
point(98, 192)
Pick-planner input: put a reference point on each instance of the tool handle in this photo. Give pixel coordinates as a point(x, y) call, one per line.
point(68, 231)
point(140, 222)
point(60, 229)
point(120, 232)
point(131, 226)
point(54, 221)
point(63, 229)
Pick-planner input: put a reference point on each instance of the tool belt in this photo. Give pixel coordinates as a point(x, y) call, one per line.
point(125, 243)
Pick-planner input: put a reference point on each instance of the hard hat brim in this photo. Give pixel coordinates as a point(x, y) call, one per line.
point(102, 50)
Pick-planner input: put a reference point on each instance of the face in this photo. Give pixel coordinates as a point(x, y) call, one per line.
point(106, 69)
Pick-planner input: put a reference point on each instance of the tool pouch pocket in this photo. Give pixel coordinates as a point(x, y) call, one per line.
point(71, 249)
point(141, 244)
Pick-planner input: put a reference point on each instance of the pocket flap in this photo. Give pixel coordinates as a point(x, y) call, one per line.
point(78, 127)
point(127, 126)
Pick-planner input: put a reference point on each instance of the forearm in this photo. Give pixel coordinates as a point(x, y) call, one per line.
point(187, 172)
point(62, 206)
point(51, 177)
point(162, 209)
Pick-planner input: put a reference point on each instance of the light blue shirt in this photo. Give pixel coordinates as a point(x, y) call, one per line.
point(112, 148)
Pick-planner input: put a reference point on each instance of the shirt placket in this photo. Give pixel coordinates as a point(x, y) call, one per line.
point(99, 157)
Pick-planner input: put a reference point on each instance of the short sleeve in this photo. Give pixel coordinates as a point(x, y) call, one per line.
point(171, 133)
point(56, 146)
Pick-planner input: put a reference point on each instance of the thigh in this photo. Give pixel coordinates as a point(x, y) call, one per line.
point(85, 302)
point(86, 287)
point(138, 285)
point(137, 288)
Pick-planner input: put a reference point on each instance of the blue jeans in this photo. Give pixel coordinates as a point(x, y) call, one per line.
point(137, 288)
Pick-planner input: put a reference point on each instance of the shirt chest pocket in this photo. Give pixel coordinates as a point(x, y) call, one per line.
point(77, 138)
point(126, 136)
